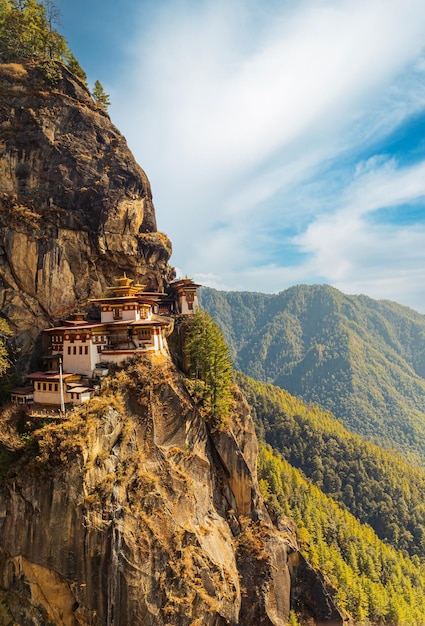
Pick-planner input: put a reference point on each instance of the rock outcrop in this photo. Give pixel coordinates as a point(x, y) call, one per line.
point(133, 512)
point(75, 208)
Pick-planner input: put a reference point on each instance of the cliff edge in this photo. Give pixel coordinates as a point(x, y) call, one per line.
point(133, 511)
point(75, 208)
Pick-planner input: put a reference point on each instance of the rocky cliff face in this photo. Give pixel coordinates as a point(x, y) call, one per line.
point(75, 208)
point(134, 512)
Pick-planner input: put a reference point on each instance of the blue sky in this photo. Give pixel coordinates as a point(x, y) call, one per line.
point(284, 141)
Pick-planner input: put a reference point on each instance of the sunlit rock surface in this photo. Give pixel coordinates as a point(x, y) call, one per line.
point(75, 208)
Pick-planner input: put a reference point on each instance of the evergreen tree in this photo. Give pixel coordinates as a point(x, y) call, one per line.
point(5, 332)
point(27, 30)
point(100, 97)
point(210, 362)
point(76, 68)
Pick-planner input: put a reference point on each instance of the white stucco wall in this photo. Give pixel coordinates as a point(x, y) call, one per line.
point(130, 315)
point(49, 397)
point(80, 363)
point(184, 307)
point(107, 316)
point(126, 314)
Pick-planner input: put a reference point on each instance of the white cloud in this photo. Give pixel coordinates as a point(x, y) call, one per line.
point(355, 252)
point(386, 186)
point(235, 108)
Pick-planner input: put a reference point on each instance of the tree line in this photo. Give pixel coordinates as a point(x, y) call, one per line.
point(28, 30)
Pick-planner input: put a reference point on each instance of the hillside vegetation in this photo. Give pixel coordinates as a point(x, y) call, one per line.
point(379, 488)
point(374, 583)
point(362, 359)
point(27, 31)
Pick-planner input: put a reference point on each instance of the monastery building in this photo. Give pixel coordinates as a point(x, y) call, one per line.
point(131, 321)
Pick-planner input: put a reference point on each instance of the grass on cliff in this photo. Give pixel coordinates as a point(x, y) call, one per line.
point(124, 409)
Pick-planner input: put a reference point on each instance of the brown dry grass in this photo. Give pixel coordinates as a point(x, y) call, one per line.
point(252, 540)
point(13, 70)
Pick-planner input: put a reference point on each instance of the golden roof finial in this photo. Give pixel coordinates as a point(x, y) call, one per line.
point(124, 281)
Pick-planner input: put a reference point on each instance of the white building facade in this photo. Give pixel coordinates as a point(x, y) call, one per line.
point(131, 321)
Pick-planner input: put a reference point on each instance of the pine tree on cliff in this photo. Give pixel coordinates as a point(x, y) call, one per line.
point(100, 97)
point(76, 68)
point(210, 363)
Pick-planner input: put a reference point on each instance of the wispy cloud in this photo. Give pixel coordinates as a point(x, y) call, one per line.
point(359, 251)
point(252, 120)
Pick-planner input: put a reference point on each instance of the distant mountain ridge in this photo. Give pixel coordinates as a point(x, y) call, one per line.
point(361, 358)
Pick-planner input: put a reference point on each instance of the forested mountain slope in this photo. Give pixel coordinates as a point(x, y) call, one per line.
point(374, 583)
point(360, 358)
point(358, 508)
point(379, 488)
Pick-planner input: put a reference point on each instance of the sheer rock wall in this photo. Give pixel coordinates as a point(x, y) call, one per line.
point(75, 208)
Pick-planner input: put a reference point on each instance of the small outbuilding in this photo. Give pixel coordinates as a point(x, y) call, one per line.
point(22, 395)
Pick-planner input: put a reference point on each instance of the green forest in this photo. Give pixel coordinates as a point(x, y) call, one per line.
point(29, 31)
point(359, 509)
point(360, 358)
point(375, 583)
point(379, 488)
